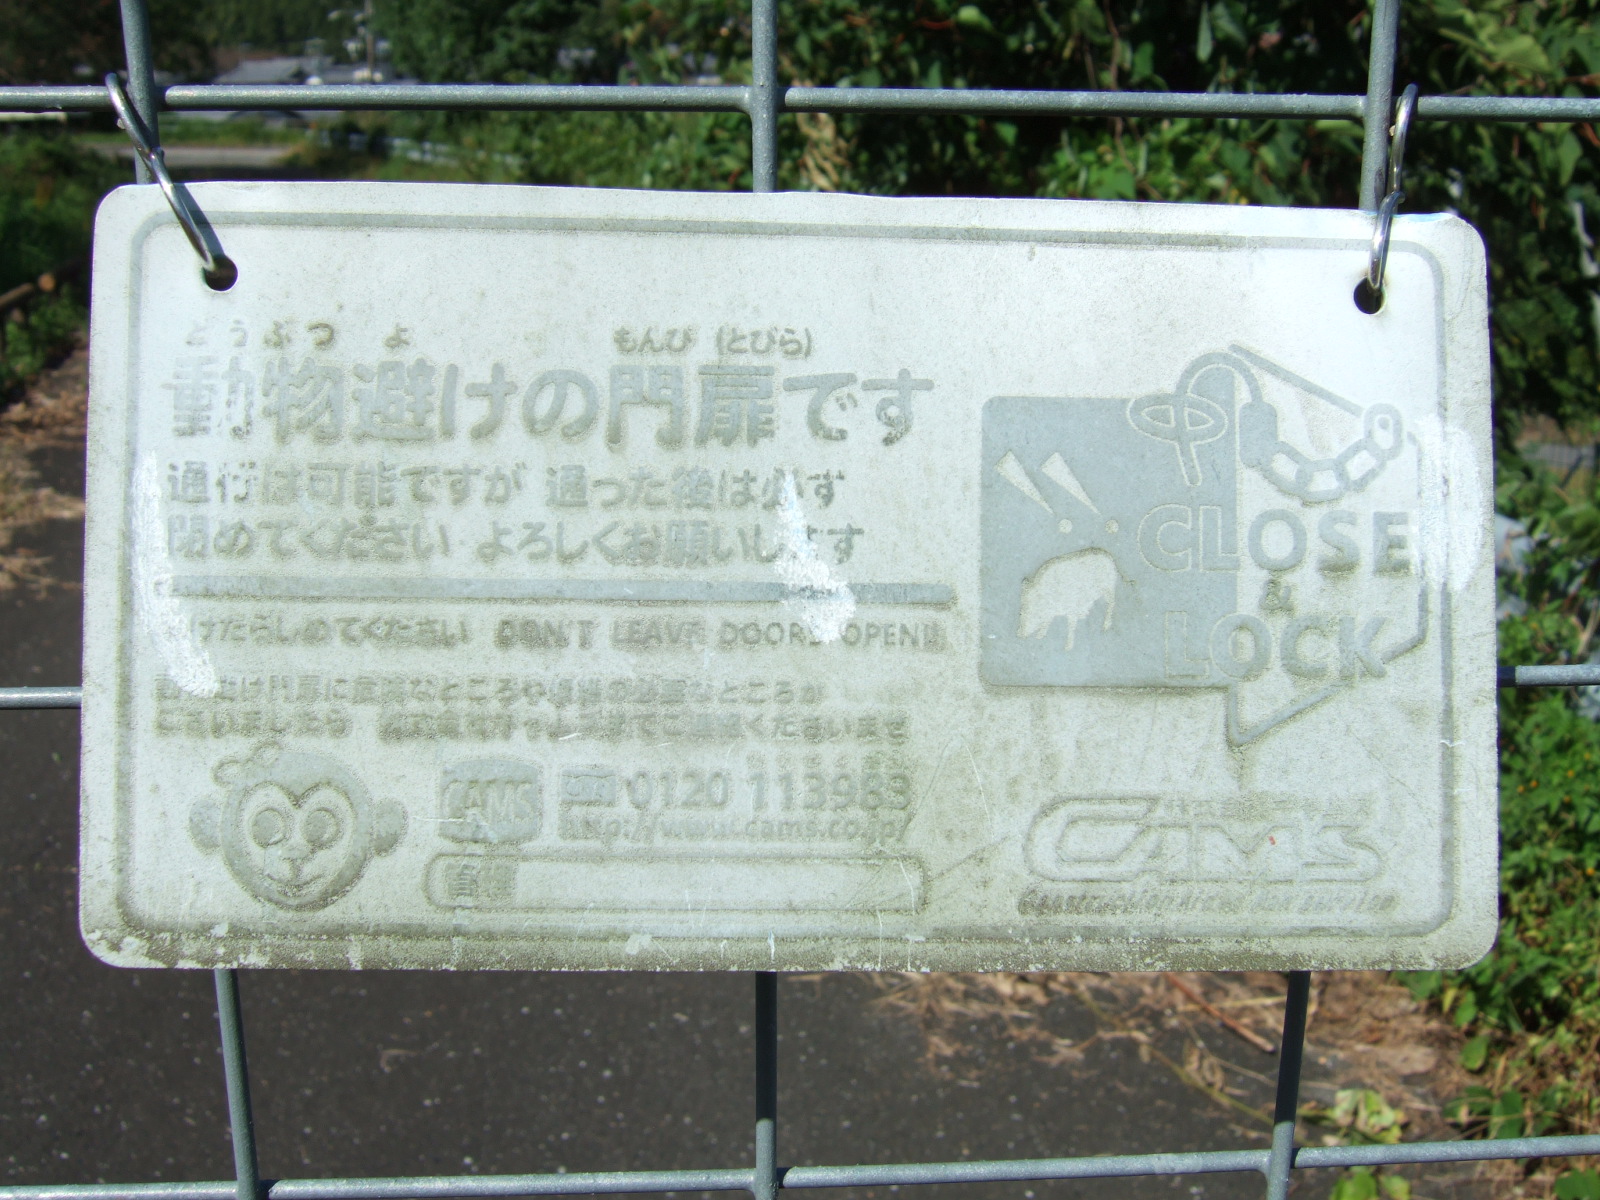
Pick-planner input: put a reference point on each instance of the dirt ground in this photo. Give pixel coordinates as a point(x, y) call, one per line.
point(48, 420)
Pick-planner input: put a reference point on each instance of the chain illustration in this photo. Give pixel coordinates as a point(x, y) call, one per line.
point(1185, 419)
point(1318, 479)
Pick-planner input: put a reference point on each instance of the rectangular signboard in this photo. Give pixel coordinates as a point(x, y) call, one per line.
point(517, 577)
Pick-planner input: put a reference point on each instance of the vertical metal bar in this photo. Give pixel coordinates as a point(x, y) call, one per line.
point(1288, 1103)
point(766, 98)
point(241, 1122)
point(764, 1182)
point(141, 74)
point(1378, 113)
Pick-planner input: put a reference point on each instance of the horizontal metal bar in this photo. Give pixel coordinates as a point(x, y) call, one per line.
point(427, 1186)
point(1508, 108)
point(41, 697)
point(50, 98)
point(1115, 1166)
point(1083, 104)
point(351, 97)
point(125, 1191)
point(434, 1187)
point(1580, 675)
point(732, 98)
point(354, 97)
point(1432, 1152)
point(1577, 676)
point(423, 1187)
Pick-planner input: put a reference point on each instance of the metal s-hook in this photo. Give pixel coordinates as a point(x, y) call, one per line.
point(217, 268)
point(1405, 110)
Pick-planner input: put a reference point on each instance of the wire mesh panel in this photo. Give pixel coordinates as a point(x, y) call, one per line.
point(762, 101)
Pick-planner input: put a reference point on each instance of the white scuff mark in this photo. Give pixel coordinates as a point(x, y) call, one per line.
point(822, 601)
point(159, 611)
point(1432, 527)
point(909, 880)
point(1465, 470)
point(636, 943)
point(1452, 477)
point(977, 778)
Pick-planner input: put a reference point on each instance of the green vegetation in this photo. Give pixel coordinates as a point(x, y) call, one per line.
point(77, 41)
point(1518, 185)
point(1534, 1003)
point(1362, 1117)
point(48, 192)
point(188, 130)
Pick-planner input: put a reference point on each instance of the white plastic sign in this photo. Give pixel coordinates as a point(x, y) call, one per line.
point(513, 577)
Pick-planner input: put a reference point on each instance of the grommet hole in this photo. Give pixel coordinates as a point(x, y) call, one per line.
point(1368, 299)
point(224, 274)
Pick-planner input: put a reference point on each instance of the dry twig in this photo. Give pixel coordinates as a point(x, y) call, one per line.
point(1211, 1010)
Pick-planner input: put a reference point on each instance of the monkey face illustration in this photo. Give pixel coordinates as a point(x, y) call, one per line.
point(296, 830)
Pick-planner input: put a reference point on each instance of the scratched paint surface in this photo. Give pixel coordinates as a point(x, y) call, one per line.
point(509, 577)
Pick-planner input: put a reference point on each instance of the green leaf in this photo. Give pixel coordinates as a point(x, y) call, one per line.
point(972, 17)
point(1578, 1185)
point(1423, 984)
point(1589, 50)
point(1225, 26)
point(1111, 182)
point(1505, 1117)
point(1396, 1187)
point(1475, 1053)
point(1356, 1184)
point(1568, 151)
point(1521, 50)
point(1203, 43)
point(1143, 63)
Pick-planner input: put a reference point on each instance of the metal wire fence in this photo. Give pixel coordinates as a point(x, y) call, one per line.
point(763, 100)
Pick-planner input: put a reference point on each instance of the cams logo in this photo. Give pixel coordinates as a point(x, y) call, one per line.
point(1116, 841)
point(1248, 531)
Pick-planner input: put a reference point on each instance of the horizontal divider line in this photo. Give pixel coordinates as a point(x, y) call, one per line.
point(601, 591)
point(736, 98)
point(437, 1187)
